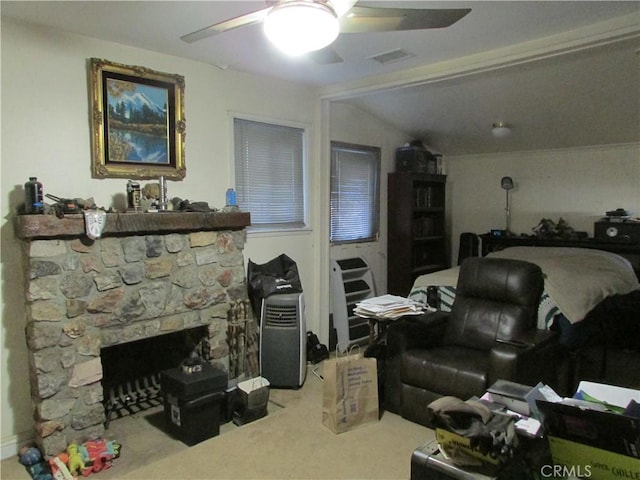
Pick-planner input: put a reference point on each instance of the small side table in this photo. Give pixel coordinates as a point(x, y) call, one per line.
point(385, 308)
point(381, 323)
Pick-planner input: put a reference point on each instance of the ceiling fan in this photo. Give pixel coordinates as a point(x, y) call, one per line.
point(302, 26)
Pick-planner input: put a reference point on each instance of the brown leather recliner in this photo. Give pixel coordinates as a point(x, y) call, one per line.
point(490, 334)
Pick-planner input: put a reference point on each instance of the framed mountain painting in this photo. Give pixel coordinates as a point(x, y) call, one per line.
point(137, 122)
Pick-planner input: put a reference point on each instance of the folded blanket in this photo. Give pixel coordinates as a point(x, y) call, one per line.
point(577, 279)
point(445, 278)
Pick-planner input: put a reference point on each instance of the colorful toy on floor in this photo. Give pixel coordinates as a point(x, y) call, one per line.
point(113, 448)
point(75, 462)
point(59, 468)
point(89, 457)
point(31, 458)
point(98, 454)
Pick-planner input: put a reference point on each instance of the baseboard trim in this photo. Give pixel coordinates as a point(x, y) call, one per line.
point(10, 446)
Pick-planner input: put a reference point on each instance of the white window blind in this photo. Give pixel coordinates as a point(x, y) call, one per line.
point(269, 170)
point(355, 172)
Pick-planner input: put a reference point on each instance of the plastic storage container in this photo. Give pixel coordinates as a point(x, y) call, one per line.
point(192, 402)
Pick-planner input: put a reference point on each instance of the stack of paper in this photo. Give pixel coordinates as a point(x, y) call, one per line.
point(388, 307)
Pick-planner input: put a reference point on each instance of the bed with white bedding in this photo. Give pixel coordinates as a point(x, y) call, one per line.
point(577, 280)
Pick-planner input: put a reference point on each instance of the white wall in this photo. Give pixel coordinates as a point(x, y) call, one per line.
point(577, 184)
point(46, 133)
point(352, 125)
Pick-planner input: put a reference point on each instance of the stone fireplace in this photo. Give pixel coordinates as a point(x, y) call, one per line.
point(148, 274)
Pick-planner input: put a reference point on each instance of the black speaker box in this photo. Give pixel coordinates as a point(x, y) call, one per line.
point(623, 232)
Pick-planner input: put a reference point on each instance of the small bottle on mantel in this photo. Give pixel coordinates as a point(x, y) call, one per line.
point(33, 196)
point(133, 195)
point(231, 197)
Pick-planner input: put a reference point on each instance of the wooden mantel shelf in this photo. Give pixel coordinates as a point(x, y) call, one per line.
point(28, 227)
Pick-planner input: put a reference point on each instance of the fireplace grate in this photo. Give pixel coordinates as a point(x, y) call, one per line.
point(132, 397)
point(131, 370)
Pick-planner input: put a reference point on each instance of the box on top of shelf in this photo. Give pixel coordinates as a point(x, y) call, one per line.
point(416, 158)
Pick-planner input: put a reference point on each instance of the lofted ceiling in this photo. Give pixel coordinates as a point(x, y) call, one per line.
point(562, 74)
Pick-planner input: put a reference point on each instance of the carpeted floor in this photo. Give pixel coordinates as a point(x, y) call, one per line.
point(289, 443)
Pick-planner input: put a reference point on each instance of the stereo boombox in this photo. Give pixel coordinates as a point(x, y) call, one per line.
point(624, 232)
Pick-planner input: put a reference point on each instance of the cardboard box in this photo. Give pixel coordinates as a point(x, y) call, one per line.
point(609, 395)
point(515, 396)
point(590, 424)
point(428, 463)
point(590, 462)
point(585, 436)
point(450, 441)
point(608, 431)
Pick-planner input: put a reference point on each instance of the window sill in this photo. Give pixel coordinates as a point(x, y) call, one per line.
point(277, 232)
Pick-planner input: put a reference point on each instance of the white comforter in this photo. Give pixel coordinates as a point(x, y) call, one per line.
point(577, 279)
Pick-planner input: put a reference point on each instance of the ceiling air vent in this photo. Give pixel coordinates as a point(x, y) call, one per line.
point(392, 56)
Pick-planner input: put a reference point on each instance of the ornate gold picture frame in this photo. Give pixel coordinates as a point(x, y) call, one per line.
point(137, 122)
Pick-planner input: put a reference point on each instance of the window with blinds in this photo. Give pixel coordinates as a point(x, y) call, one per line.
point(269, 173)
point(355, 184)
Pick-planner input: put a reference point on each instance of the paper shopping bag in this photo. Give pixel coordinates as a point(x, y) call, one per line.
point(349, 392)
point(254, 392)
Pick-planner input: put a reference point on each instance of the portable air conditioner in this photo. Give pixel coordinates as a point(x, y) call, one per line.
point(283, 340)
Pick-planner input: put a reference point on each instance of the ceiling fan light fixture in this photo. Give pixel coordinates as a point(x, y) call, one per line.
point(501, 130)
point(301, 26)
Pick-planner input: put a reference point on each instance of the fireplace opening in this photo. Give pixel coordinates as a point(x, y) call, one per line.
point(131, 371)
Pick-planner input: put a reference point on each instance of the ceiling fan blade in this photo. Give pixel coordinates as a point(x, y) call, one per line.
point(375, 19)
point(341, 6)
point(215, 29)
point(325, 56)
